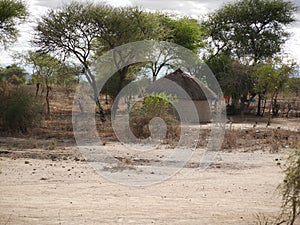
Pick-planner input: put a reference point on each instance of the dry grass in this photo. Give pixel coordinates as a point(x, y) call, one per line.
point(263, 139)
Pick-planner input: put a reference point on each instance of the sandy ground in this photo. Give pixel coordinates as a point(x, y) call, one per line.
point(237, 187)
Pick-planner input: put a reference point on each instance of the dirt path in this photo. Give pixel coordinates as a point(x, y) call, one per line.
point(233, 191)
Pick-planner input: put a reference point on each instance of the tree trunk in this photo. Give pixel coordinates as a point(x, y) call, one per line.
point(275, 106)
point(37, 89)
point(270, 107)
point(264, 107)
point(47, 99)
point(92, 82)
point(122, 75)
point(259, 105)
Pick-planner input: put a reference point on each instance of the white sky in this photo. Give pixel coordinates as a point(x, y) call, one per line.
point(195, 8)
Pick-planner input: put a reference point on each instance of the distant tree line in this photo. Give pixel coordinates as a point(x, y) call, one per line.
point(242, 42)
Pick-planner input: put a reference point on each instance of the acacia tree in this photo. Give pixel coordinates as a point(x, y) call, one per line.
point(86, 31)
point(186, 32)
point(250, 31)
point(12, 14)
point(48, 70)
point(122, 26)
point(71, 31)
point(45, 68)
point(234, 78)
point(271, 79)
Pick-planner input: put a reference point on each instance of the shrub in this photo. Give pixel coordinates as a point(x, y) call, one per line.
point(154, 105)
point(19, 110)
point(15, 80)
point(291, 189)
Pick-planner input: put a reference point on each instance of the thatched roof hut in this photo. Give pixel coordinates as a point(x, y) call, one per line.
point(192, 96)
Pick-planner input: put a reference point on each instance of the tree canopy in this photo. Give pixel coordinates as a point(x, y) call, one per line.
point(12, 14)
point(250, 29)
point(85, 31)
point(12, 70)
point(248, 33)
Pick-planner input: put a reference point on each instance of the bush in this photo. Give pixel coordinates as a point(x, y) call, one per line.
point(291, 189)
point(19, 110)
point(155, 105)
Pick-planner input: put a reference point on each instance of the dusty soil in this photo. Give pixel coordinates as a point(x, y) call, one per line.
point(233, 190)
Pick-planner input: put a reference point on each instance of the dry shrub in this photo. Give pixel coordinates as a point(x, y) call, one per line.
point(139, 124)
point(230, 139)
point(260, 139)
point(203, 138)
point(19, 110)
point(105, 130)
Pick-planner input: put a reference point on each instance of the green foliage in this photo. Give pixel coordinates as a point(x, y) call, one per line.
point(49, 70)
point(235, 79)
point(19, 110)
point(12, 70)
point(271, 78)
point(184, 31)
point(87, 30)
point(123, 25)
point(294, 85)
point(291, 188)
point(158, 104)
point(248, 32)
point(112, 85)
point(12, 13)
point(154, 105)
point(250, 28)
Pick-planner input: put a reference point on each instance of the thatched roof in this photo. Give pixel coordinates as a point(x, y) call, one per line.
point(196, 89)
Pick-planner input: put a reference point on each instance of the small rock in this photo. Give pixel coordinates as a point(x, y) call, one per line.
point(26, 162)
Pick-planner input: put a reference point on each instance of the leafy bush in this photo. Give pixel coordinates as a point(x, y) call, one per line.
point(19, 110)
point(291, 189)
point(155, 105)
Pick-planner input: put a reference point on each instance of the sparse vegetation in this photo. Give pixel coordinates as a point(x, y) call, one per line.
point(291, 189)
point(20, 110)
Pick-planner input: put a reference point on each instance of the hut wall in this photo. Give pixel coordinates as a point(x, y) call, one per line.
point(202, 107)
